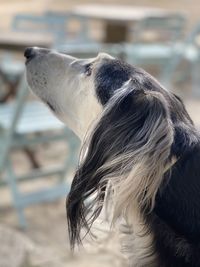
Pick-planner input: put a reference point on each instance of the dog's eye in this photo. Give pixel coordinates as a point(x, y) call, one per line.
point(88, 69)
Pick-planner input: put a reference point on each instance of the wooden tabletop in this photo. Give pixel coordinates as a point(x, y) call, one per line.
point(119, 12)
point(19, 41)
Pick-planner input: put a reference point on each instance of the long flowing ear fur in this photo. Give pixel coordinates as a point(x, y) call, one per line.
point(130, 147)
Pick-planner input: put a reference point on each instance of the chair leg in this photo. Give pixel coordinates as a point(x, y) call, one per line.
point(166, 76)
point(16, 195)
point(71, 158)
point(196, 79)
point(21, 217)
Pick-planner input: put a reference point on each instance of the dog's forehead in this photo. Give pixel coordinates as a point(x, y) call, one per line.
point(110, 76)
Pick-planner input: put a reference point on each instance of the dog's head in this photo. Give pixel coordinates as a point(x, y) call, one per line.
point(136, 124)
point(75, 89)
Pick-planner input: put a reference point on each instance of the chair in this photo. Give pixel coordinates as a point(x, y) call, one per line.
point(154, 39)
point(48, 23)
point(55, 24)
point(188, 50)
point(26, 123)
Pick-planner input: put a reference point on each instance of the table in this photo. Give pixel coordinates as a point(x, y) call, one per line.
point(117, 18)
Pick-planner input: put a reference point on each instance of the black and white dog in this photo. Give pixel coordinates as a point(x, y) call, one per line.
point(140, 148)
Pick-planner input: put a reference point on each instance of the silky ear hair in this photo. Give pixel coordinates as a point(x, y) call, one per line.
point(130, 147)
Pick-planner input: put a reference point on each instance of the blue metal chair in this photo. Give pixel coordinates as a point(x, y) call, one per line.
point(188, 50)
point(27, 123)
point(50, 23)
point(154, 39)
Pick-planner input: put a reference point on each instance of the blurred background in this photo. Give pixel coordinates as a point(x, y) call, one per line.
point(38, 153)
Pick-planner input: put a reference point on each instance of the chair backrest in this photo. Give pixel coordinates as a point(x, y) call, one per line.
point(48, 23)
point(30, 23)
point(189, 48)
point(167, 29)
point(78, 27)
point(55, 23)
point(193, 37)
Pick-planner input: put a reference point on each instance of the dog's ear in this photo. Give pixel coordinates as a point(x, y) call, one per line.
point(130, 147)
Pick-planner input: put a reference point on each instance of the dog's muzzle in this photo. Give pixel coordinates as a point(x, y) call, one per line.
point(31, 52)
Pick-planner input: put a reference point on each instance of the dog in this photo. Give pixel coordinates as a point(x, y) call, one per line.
point(141, 152)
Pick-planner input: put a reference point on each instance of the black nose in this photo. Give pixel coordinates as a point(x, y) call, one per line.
point(30, 53)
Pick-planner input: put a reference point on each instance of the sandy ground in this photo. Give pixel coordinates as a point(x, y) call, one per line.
point(45, 242)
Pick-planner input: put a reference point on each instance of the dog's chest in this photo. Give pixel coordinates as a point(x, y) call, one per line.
point(137, 242)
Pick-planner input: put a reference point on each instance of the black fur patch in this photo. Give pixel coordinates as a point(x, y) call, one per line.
point(110, 77)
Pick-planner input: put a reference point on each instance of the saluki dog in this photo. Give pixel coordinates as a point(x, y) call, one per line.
point(141, 152)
